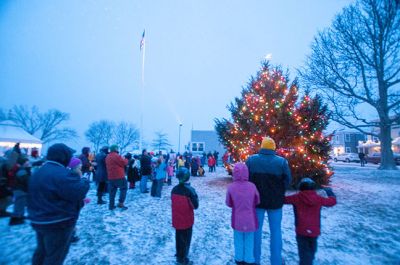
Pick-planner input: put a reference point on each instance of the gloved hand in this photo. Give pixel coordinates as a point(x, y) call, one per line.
point(329, 191)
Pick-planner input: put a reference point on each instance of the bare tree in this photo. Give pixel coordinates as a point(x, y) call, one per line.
point(47, 126)
point(125, 135)
point(356, 64)
point(161, 141)
point(100, 133)
point(28, 119)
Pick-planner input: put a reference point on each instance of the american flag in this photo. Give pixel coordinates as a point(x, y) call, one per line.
point(142, 41)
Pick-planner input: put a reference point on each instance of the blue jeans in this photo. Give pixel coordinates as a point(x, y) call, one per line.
point(52, 245)
point(143, 183)
point(156, 187)
point(115, 184)
point(244, 246)
point(274, 220)
point(20, 202)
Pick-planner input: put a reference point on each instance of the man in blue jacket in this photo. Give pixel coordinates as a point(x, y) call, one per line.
point(54, 200)
point(271, 175)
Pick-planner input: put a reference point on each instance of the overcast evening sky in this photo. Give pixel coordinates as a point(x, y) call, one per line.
point(83, 57)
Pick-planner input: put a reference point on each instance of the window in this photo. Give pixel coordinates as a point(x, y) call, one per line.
point(201, 147)
point(348, 149)
point(194, 147)
point(337, 138)
point(347, 137)
point(198, 147)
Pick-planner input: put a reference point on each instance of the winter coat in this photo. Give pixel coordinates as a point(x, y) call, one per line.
point(170, 170)
point(242, 196)
point(181, 163)
point(115, 166)
point(211, 161)
point(145, 165)
point(271, 175)
point(194, 164)
point(22, 178)
point(101, 171)
point(172, 158)
point(184, 201)
point(129, 170)
point(161, 171)
point(86, 166)
point(307, 210)
point(55, 194)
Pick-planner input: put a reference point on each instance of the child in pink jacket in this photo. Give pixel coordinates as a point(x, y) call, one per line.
point(242, 196)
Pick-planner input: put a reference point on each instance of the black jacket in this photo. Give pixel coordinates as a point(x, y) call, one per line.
point(271, 175)
point(145, 165)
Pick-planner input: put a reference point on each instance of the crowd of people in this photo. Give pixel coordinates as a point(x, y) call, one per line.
point(54, 191)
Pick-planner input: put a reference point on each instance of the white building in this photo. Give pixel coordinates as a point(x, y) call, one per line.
point(10, 134)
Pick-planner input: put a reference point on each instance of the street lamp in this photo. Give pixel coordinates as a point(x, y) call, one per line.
point(179, 141)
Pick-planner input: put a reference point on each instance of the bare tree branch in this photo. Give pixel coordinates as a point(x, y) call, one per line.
point(125, 135)
point(100, 133)
point(356, 62)
point(45, 125)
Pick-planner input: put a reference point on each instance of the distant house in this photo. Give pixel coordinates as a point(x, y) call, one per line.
point(373, 145)
point(346, 141)
point(205, 141)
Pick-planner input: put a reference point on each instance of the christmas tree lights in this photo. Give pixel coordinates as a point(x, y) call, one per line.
point(268, 108)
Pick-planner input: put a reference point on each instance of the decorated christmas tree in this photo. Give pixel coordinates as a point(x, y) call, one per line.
point(310, 147)
point(267, 107)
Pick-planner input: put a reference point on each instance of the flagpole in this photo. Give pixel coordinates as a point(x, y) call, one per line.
point(143, 46)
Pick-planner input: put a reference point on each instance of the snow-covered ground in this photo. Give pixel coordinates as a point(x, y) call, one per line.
point(363, 228)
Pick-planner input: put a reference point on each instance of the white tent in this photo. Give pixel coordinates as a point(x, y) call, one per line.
point(10, 134)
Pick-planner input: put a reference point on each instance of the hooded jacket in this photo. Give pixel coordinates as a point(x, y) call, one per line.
point(184, 201)
point(271, 175)
point(242, 196)
point(307, 211)
point(101, 171)
point(115, 165)
point(55, 193)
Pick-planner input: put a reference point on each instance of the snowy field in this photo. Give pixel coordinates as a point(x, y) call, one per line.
point(363, 228)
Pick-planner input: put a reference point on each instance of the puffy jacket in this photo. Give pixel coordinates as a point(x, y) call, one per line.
point(271, 175)
point(242, 196)
point(101, 170)
point(161, 171)
point(55, 194)
point(115, 165)
point(184, 201)
point(307, 211)
point(145, 165)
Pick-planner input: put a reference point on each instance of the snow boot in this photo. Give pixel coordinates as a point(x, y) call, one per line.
point(122, 206)
point(4, 213)
point(17, 221)
point(74, 239)
point(100, 200)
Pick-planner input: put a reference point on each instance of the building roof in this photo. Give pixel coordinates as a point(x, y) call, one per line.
point(10, 132)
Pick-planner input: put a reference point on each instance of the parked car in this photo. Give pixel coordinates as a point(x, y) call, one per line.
point(347, 157)
point(375, 158)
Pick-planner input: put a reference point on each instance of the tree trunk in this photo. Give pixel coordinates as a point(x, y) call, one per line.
point(387, 161)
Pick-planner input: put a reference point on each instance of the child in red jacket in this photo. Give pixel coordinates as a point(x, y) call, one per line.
point(184, 201)
point(307, 210)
